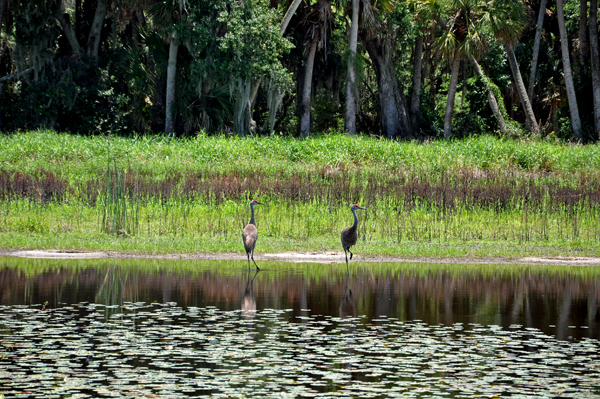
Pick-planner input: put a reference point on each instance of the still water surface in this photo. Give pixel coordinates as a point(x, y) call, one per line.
point(171, 329)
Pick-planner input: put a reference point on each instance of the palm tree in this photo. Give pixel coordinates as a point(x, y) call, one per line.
point(530, 122)
point(584, 44)
point(564, 48)
point(167, 14)
point(491, 97)
point(274, 96)
point(536, 48)
point(465, 34)
point(317, 23)
point(365, 15)
point(351, 98)
point(378, 34)
point(379, 43)
point(288, 15)
point(93, 43)
point(415, 97)
point(595, 55)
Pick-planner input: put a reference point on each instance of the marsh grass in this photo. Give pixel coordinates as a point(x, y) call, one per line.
point(120, 202)
point(478, 197)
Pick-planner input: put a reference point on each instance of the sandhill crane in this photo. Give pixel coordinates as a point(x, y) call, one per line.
point(250, 234)
point(349, 234)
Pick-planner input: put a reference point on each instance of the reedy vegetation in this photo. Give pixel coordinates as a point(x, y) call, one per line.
point(432, 199)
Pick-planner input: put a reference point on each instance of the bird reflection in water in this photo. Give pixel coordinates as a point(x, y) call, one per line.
point(248, 300)
point(347, 307)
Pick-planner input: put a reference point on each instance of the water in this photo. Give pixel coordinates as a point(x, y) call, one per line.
point(172, 329)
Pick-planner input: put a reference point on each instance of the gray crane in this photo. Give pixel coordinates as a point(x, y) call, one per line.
point(349, 235)
point(250, 234)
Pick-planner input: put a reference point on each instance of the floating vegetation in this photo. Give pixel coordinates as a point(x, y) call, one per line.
point(168, 351)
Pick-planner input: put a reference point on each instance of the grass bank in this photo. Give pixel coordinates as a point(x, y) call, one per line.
point(480, 197)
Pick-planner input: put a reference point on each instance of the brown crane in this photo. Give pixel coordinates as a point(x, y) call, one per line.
point(349, 235)
point(250, 234)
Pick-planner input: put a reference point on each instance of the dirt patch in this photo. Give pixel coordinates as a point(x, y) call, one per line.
point(300, 257)
point(564, 260)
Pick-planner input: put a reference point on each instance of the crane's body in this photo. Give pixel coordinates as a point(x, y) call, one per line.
point(250, 235)
point(349, 234)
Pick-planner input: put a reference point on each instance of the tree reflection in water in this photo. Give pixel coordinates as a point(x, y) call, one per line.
point(558, 300)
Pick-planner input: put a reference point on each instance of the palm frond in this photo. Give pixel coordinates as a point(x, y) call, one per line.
point(446, 44)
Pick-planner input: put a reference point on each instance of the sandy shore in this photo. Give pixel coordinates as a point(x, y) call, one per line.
point(318, 257)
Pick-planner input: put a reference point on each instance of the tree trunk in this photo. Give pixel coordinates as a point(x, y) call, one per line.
point(426, 75)
point(564, 48)
point(3, 4)
point(395, 121)
point(530, 122)
point(93, 44)
point(595, 55)
point(491, 97)
point(78, 17)
point(171, 74)
point(5, 79)
point(451, 94)
point(351, 102)
point(282, 28)
point(306, 89)
point(584, 47)
point(241, 113)
point(536, 49)
point(415, 97)
point(58, 12)
point(288, 15)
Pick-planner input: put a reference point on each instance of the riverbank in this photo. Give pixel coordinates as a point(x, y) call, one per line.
point(302, 257)
point(480, 198)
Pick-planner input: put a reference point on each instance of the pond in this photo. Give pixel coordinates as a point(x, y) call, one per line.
point(173, 329)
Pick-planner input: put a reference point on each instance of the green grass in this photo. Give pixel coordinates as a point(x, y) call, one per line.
point(312, 272)
point(30, 152)
point(477, 198)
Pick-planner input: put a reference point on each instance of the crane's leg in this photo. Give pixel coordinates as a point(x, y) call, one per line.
point(350, 253)
point(257, 268)
point(347, 269)
point(248, 255)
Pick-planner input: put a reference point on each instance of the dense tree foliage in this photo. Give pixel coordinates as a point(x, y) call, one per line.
point(409, 69)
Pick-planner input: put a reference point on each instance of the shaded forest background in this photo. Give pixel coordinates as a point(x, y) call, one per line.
point(412, 69)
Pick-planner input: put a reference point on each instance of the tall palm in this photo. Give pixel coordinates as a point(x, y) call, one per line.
point(351, 97)
point(274, 96)
point(595, 56)
point(378, 33)
point(584, 44)
point(507, 18)
point(491, 97)
point(288, 15)
point(465, 30)
point(415, 96)
point(536, 48)
point(167, 14)
point(530, 121)
point(317, 22)
point(93, 43)
point(564, 48)
point(365, 14)
point(462, 36)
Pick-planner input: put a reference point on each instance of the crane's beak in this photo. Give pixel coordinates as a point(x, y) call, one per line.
point(259, 203)
point(360, 207)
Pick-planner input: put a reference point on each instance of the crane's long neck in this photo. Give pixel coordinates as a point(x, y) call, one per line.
point(252, 218)
point(355, 218)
